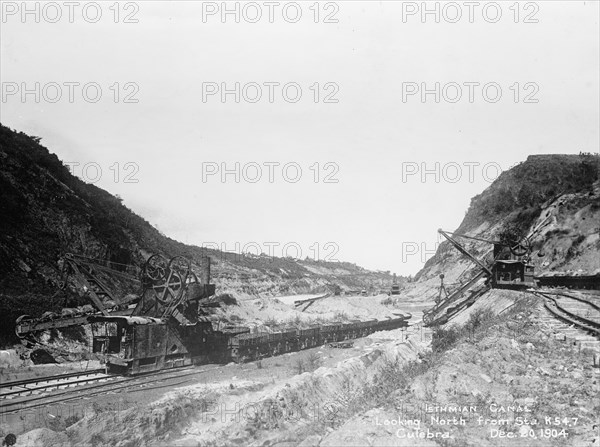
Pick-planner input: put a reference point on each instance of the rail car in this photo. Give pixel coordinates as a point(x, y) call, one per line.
point(247, 347)
point(570, 282)
point(136, 345)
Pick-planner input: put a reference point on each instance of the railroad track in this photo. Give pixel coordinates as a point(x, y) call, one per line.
point(27, 394)
point(37, 385)
point(309, 302)
point(114, 384)
point(584, 305)
point(576, 312)
point(568, 333)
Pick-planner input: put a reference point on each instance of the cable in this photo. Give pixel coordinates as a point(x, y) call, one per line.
point(103, 261)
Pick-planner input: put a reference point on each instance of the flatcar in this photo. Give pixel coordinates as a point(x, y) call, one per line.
point(247, 347)
point(570, 282)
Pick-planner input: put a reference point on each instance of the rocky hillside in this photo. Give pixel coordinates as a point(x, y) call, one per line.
point(47, 212)
point(553, 199)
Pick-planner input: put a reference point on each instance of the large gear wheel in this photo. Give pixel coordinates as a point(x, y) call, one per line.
point(173, 283)
point(181, 265)
point(521, 248)
point(155, 269)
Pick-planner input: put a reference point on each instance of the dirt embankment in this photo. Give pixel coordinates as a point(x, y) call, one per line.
point(502, 380)
point(273, 312)
point(496, 376)
point(259, 409)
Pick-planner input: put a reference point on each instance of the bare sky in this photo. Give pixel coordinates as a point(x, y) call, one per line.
point(377, 137)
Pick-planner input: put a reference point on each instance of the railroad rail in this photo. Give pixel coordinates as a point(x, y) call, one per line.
point(11, 390)
point(559, 311)
point(587, 301)
point(117, 384)
point(310, 301)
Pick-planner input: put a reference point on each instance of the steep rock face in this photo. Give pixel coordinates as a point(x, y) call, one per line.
point(47, 212)
point(553, 199)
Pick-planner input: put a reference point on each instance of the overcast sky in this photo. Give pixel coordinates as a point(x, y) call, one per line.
point(370, 129)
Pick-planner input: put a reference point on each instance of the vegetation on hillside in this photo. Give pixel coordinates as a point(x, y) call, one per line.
point(520, 192)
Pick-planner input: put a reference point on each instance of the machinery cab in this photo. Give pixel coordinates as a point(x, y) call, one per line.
point(134, 345)
point(512, 274)
point(512, 268)
point(106, 337)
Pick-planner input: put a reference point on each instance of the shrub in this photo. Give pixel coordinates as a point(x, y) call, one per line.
point(478, 319)
point(296, 321)
point(271, 322)
point(313, 361)
point(56, 423)
point(9, 440)
point(340, 316)
point(444, 339)
point(227, 298)
point(97, 440)
point(511, 233)
point(71, 420)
